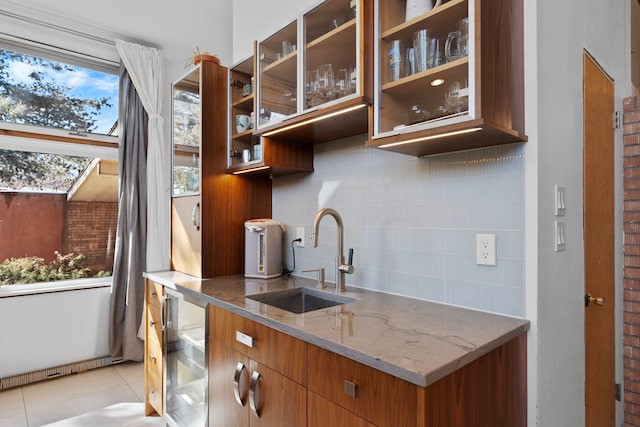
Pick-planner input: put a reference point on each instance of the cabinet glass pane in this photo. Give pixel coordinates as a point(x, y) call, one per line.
point(330, 56)
point(186, 135)
point(424, 63)
point(244, 147)
point(186, 367)
point(277, 65)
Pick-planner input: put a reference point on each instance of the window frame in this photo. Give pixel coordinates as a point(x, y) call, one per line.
point(67, 57)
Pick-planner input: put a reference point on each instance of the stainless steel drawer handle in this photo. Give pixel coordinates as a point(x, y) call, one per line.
point(237, 379)
point(152, 359)
point(350, 388)
point(254, 394)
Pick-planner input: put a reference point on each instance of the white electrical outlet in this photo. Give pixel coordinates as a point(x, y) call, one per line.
point(485, 249)
point(300, 235)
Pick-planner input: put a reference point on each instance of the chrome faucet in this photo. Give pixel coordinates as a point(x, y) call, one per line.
point(341, 267)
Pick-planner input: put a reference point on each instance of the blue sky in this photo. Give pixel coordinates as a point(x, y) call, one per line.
point(84, 83)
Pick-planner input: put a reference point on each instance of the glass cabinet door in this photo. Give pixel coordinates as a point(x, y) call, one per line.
point(278, 76)
point(330, 56)
point(186, 135)
point(186, 361)
point(425, 64)
point(244, 147)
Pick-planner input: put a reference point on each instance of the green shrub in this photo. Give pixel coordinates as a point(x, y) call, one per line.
point(33, 269)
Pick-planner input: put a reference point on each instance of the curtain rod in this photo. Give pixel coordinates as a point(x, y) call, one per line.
point(57, 27)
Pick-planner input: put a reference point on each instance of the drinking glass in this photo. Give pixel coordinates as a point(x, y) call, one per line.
point(435, 55)
point(420, 43)
point(311, 87)
point(396, 60)
point(326, 82)
point(343, 83)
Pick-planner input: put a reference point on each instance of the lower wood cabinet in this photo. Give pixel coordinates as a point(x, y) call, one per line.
point(373, 395)
point(153, 361)
point(261, 377)
point(256, 374)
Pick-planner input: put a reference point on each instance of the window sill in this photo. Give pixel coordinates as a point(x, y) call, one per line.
point(49, 287)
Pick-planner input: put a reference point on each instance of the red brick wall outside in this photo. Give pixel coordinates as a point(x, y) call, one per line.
point(36, 224)
point(91, 230)
point(31, 224)
point(631, 316)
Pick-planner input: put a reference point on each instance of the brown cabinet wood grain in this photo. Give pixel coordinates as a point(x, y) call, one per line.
point(153, 356)
point(380, 398)
point(273, 366)
point(322, 412)
point(208, 226)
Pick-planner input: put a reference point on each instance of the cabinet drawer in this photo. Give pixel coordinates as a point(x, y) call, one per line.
point(367, 392)
point(154, 327)
point(277, 350)
point(153, 362)
point(155, 293)
point(322, 412)
point(154, 392)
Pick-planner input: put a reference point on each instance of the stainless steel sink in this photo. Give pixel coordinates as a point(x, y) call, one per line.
point(300, 300)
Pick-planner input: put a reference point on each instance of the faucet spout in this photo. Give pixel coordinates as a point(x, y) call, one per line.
point(341, 267)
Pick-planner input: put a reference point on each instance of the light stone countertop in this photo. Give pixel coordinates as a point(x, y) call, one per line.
point(416, 340)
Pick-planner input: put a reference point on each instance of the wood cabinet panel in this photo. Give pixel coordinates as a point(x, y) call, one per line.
point(153, 360)
point(322, 412)
point(380, 398)
point(186, 240)
point(224, 410)
point(280, 401)
point(226, 201)
point(279, 351)
point(490, 391)
point(154, 293)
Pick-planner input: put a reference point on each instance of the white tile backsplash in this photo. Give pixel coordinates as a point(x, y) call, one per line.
point(412, 221)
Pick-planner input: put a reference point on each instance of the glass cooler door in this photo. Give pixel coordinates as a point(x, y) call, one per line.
point(186, 362)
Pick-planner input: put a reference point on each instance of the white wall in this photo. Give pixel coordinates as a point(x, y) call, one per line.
point(52, 329)
point(564, 29)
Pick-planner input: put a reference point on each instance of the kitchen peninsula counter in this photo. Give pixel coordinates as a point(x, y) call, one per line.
point(415, 340)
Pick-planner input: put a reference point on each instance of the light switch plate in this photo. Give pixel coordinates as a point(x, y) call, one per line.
point(559, 228)
point(559, 201)
point(485, 249)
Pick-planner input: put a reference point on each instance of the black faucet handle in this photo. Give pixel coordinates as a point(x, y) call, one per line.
point(350, 259)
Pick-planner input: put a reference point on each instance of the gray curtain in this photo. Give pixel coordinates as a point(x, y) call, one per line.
point(127, 291)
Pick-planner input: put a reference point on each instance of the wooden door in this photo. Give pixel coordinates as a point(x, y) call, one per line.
point(186, 239)
point(599, 233)
point(279, 401)
point(224, 409)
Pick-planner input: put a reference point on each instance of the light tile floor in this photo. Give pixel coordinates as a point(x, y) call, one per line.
point(112, 396)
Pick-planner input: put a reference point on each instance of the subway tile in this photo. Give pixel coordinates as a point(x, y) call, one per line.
point(413, 221)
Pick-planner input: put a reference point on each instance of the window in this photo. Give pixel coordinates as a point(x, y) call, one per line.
point(57, 96)
point(58, 217)
point(58, 173)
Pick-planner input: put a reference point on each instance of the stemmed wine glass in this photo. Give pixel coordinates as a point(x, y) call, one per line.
point(326, 82)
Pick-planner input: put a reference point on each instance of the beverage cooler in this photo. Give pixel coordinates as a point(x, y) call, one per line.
point(186, 361)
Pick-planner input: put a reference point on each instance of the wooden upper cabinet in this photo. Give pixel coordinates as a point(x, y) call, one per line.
point(249, 152)
point(450, 78)
point(315, 75)
point(209, 207)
